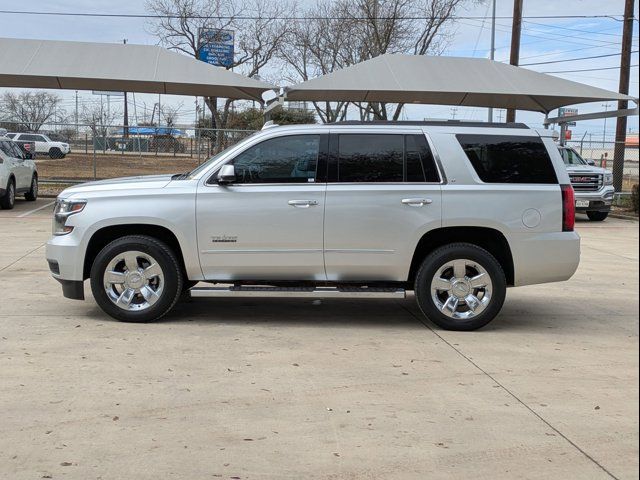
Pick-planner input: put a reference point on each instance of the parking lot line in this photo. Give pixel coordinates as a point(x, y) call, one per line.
point(26, 214)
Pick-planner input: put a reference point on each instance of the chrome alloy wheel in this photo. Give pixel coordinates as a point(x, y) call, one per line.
point(12, 193)
point(461, 289)
point(133, 280)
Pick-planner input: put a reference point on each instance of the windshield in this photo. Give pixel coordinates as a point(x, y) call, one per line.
point(215, 158)
point(571, 157)
point(47, 139)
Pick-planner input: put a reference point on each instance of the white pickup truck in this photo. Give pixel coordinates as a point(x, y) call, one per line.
point(454, 212)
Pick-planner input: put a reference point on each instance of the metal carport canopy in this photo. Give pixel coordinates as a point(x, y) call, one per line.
point(441, 80)
point(117, 67)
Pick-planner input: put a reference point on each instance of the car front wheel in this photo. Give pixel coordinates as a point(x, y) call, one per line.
point(460, 287)
point(136, 279)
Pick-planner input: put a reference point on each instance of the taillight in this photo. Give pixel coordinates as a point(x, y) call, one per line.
point(568, 208)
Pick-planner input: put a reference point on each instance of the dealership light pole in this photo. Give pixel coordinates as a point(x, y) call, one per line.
point(492, 53)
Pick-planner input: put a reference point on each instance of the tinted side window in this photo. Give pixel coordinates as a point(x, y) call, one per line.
point(290, 159)
point(370, 158)
point(509, 159)
point(17, 150)
point(26, 137)
point(385, 158)
point(420, 164)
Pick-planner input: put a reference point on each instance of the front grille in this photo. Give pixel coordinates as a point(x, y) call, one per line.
point(586, 182)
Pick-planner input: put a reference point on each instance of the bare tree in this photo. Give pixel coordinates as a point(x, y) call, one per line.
point(98, 118)
point(171, 113)
point(260, 28)
point(30, 110)
point(347, 32)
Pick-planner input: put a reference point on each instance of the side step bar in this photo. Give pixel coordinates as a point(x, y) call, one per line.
point(313, 292)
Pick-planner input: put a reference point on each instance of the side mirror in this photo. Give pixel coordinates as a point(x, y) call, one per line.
point(591, 162)
point(227, 175)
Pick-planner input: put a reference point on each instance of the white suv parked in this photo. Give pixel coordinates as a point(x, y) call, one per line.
point(18, 174)
point(43, 144)
point(454, 212)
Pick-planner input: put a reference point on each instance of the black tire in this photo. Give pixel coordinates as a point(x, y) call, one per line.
point(167, 261)
point(32, 194)
point(55, 152)
point(8, 200)
point(597, 216)
point(448, 253)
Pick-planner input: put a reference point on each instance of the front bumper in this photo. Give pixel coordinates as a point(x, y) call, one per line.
point(66, 265)
point(599, 201)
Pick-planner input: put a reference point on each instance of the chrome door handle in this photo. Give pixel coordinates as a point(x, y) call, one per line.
point(302, 203)
point(416, 202)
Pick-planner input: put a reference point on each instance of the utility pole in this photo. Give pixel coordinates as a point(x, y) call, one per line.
point(625, 71)
point(493, 47)
point(514, 59)
point(125, 120)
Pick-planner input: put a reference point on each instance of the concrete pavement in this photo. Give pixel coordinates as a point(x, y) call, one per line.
point(344, 389)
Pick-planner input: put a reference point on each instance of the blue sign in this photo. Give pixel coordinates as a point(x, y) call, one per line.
point(215, 47)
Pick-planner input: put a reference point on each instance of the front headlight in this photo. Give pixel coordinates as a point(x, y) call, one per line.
point(63, 210)
point(608, 178)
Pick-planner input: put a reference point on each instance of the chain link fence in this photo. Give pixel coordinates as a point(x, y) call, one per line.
point(101, 151)
point(107, 151)
point(602, 154)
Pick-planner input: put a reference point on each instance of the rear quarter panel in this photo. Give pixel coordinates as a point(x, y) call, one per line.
point(528, 215)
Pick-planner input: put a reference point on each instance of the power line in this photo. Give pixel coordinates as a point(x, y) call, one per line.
point(575, 59)
point(560, 27)
point(618, 18)
point(587, 70)
point(564, 51)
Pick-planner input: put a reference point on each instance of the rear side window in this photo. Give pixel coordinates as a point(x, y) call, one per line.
point(509, 159)
point(374, 158)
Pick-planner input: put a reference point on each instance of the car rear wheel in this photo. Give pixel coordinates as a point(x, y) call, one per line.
point(32, 194)
point(55, 152)
point(136, 279)
point(597, 216)
point(9, 199)
point(460, 287)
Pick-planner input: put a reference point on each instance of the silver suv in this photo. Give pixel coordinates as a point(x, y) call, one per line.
point(454, 212)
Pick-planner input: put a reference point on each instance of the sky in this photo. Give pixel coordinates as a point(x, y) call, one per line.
point(543, 40)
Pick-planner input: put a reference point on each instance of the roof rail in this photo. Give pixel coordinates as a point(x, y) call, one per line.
point(435, 123)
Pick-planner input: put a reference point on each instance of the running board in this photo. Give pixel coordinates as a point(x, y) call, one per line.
point(313, 292)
